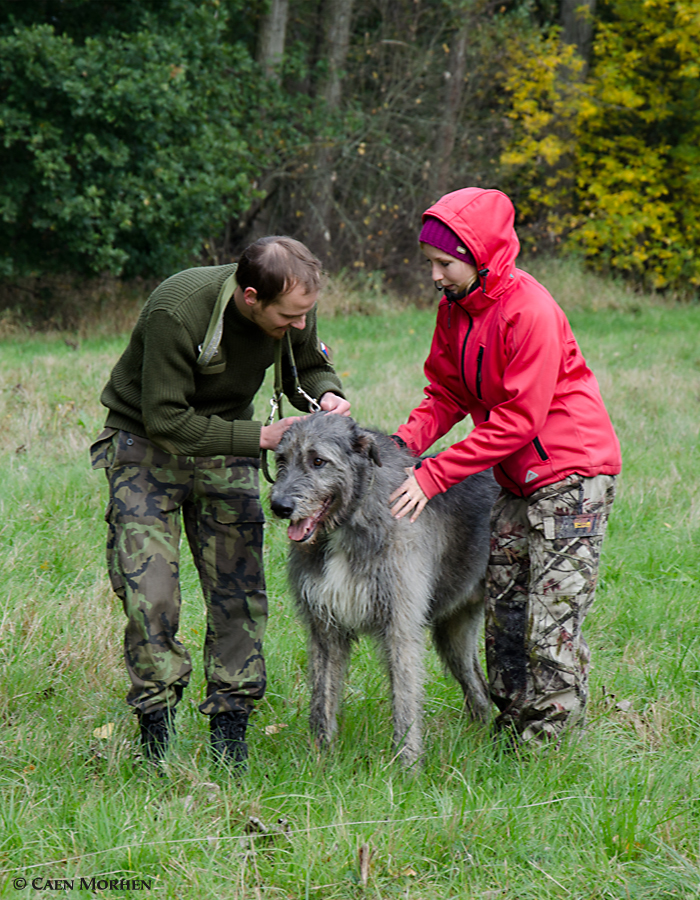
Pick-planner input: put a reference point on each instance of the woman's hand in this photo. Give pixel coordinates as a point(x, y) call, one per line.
point(409, 498)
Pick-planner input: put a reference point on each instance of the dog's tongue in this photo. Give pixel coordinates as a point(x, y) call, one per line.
point(297, 531)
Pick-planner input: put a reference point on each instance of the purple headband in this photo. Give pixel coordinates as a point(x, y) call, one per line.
point(437, 234)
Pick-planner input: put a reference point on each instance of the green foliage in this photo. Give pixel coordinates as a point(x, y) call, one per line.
point(613, 162)
point(121, 153)
point(139, 136)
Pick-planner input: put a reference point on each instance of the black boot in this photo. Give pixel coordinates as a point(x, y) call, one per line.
point(228, 738)
point(157, 727)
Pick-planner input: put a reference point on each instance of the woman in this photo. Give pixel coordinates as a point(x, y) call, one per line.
point(503, 352)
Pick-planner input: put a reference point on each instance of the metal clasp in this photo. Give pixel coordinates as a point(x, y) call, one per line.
point(314, 405)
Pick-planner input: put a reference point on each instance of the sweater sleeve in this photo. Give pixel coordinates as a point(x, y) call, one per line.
point(316, 374)
point(169, 416)
point(534, 347)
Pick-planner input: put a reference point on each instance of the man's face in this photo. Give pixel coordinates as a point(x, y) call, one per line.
point(287, 311)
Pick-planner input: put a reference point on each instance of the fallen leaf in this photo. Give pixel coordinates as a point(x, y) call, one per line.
point(364, 855)
point(273, 729)
point(105, 731)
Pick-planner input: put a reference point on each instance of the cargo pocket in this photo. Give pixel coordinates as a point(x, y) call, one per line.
point(569, 525)
point(134, 450)
point(144, 502)
point(115, 576)
point(102, 451)
point(236, 510)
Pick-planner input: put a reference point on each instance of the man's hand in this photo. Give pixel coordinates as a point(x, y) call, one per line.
point(332, 403)
point(408, 498)
point(271, 435)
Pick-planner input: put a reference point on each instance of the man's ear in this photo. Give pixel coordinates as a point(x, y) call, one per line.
point(365, 444)
point(250, 296)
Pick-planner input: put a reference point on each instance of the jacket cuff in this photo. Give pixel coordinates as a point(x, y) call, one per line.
point(410, 446)
point(399, 441)
point(425, 482)
point(246, 438)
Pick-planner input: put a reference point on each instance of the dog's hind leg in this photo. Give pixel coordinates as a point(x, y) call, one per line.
point(329, 653)
point(457, 642)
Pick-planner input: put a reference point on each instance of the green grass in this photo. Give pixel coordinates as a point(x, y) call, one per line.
point(615, 816)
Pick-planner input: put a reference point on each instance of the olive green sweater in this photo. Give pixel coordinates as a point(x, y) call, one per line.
point(158, 391)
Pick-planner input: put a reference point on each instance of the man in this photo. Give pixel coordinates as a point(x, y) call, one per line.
point(180, 439)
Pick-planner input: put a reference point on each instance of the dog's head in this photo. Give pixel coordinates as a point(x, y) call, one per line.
point(322, 464)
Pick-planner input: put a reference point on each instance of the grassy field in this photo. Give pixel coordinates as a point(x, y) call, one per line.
point(616, 816)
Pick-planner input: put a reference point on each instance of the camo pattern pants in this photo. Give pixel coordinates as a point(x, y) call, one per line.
point(540, 585)
point(151, 493)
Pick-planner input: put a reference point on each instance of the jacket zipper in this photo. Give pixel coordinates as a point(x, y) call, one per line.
point(540, 450)
point(464, 349)
point(479, 360)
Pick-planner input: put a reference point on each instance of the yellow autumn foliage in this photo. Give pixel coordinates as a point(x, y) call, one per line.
point(612, 163)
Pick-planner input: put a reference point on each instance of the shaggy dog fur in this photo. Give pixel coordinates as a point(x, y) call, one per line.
point(355, 569)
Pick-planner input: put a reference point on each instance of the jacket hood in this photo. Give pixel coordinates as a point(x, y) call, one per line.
point(483, 219)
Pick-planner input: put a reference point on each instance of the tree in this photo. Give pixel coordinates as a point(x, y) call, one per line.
point(114, 144)
point(454, 76)
point(273, 32)
point(627, 194)
point(336, 16)
point(577, 21)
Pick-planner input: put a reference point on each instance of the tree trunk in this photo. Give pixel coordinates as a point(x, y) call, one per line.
point(273, 31)
point(337, 15)
point(576, 18)
point(454, 88)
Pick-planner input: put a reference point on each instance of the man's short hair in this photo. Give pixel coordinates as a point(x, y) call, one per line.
point(275, 265)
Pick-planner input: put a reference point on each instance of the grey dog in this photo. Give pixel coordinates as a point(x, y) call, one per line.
point(354, 568)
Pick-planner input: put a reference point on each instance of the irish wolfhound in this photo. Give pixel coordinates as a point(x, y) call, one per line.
point(355, 569)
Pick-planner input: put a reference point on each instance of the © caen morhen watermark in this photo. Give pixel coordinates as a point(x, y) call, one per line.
point(84, 884)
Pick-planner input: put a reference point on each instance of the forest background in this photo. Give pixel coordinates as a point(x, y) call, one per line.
point(143, 136)
point(140, 137)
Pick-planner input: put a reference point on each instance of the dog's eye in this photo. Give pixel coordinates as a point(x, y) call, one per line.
point(318, 463)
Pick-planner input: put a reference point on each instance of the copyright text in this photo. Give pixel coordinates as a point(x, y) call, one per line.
point(84, 884)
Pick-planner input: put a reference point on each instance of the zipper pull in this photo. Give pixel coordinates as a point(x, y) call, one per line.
point(482, 274)
point(449, 312)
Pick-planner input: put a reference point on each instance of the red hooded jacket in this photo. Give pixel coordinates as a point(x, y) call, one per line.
point(506, 356)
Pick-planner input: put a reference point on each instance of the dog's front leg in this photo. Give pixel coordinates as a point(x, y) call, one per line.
point(404, 647)
point(329, 652)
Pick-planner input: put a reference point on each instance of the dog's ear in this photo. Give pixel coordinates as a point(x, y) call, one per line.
point(365, 444)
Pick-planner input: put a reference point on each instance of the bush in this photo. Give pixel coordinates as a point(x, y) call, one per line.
point(120, 153)
point(613, 163)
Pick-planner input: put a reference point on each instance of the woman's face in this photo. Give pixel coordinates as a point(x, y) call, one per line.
point(454, 275)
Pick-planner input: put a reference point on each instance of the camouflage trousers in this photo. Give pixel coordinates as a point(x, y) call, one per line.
point(151, 493)
point(540, 585)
